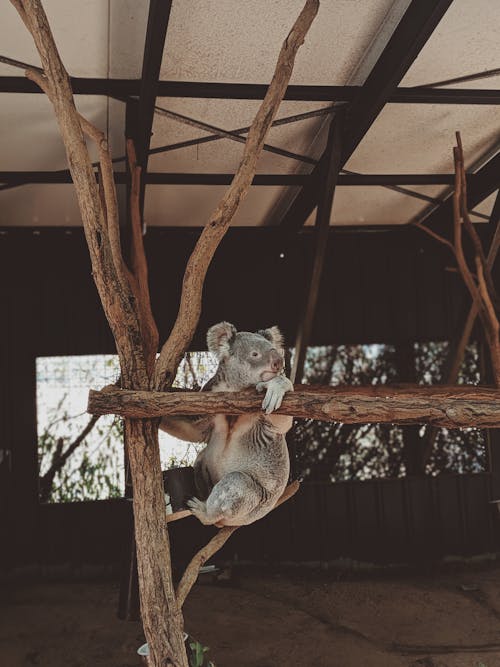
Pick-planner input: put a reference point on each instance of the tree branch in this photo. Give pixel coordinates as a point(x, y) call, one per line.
point(60, 458)
point(435, 236)
point(453, 407)
point(139, 263)
point(476, 241)
point(194, 276)
point(487, 315)
point(120, 293)
point(217, 542)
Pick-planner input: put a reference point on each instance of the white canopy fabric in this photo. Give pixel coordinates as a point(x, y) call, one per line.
point(228, 41)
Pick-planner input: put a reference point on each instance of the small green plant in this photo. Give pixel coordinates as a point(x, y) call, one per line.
point(197, 654)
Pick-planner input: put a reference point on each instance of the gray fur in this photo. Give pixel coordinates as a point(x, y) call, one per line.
point(244, 468)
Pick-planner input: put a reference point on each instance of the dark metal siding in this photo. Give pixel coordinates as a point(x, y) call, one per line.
point(384, 522)
point(378, 287)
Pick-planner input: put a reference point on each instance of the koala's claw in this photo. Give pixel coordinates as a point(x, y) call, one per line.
point(275, 388)
point(199, 509)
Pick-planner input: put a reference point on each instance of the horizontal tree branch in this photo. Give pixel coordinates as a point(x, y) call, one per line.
point(453, 407)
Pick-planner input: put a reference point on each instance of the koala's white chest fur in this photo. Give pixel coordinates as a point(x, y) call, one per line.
point(225, 451)
point(245, 443)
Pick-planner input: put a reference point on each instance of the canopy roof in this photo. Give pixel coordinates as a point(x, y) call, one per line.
point(231, 42)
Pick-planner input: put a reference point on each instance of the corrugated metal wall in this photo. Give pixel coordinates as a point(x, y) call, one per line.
point(378, 287)
point(412, 520)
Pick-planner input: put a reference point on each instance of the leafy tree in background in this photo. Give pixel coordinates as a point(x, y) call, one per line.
point(454, 450)
point(79, 457)
point(79, 468)
point(82, 458)
point(329, 451)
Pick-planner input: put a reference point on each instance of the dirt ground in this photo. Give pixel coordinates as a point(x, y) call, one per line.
point(261, 619)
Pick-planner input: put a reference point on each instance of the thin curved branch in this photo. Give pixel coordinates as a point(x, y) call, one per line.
point(435, 236)
point(471, 230)
point(139, 263)
point(483, 289)
point(60, 458)
point(109, 193)
point(217, 542)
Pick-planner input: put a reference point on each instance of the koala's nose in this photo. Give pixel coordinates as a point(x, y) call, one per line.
point(276, 361)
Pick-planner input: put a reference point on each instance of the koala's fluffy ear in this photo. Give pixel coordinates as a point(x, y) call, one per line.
point(274, 335)
point(219, 338)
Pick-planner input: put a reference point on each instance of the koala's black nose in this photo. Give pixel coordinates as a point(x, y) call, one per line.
point(276, 361)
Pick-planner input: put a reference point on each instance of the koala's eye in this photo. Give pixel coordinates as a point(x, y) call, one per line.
point(254, 353)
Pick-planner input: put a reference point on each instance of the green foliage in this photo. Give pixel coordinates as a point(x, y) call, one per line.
point(94, 468)
point(91, 472)
point(197, 654)
point(454, 450)
point(334, 452)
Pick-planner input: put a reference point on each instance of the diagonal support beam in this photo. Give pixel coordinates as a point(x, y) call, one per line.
point(140, 120)
point(406, 42)
point(156, 32)
point(203, 178)
point(329, 179)
point(120, 88)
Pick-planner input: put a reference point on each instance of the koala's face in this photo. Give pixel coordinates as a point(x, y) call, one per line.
point(246, 358)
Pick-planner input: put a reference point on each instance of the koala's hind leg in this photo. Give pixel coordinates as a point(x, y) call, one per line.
point(230, 502)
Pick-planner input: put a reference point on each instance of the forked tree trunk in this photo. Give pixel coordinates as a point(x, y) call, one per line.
point(125, 299)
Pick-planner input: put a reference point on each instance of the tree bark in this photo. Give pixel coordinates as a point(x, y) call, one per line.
point(158, 600)
point(125, 298)
point(452, 407)
point(194, 276)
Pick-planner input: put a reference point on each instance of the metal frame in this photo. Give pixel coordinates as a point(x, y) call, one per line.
point(486, 180)
point(169, 178)
point(140, 120)
point(364, 103)
point(407, 40)
point(329, 178)
point(249, 91)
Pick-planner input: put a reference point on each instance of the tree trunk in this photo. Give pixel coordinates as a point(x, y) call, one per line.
point(153, 549)
point(453, 407)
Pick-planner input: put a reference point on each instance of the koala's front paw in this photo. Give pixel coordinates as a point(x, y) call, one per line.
point(275, 390)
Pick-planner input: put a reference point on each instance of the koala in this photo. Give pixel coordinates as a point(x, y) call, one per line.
point(244, 468)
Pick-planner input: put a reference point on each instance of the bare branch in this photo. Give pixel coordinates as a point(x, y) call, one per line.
point(109, 193)
point(483, 289)
point(190, 306)
point(469, 227)
point(217, 542)
point(490, 325)
point(40, 79)
point(60, 458)
point(139, 263)
point(454, 407)
point(435, 236)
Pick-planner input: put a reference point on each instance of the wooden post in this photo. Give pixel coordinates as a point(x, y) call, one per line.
point(453, 407)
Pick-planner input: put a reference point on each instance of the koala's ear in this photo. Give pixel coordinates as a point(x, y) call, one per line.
point(219, 338)
point(274, 335)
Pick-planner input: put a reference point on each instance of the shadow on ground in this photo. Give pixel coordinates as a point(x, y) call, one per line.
point(263, 620)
